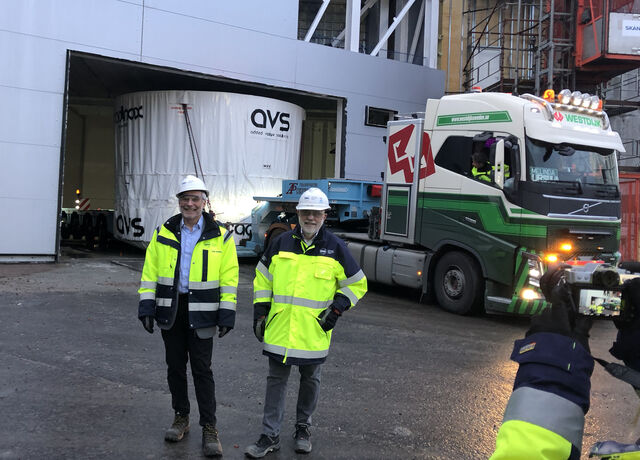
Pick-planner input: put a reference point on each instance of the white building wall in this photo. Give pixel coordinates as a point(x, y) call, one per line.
point(243, 39)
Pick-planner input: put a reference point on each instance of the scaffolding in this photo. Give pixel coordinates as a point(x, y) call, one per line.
point(521, 46)
point(518, 45)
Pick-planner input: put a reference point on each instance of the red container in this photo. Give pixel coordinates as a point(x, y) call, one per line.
point(630, 193)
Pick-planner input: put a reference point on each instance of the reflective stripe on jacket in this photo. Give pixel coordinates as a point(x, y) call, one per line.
point(296, 282)
point(213, 276)
point(544, 418)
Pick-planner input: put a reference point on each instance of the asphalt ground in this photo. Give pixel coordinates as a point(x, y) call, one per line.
point(80, 378)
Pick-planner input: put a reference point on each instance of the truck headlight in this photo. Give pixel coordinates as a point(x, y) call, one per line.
point(535, 269)
point(529, 294)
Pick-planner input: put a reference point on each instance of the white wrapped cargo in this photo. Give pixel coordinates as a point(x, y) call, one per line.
point(246, 146)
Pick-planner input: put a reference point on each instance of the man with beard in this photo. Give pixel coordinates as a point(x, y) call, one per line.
point(304, 282)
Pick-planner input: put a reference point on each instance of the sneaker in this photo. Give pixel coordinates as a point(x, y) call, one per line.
point(211, 446)
point(302, 438)
point(263, 446)
point(613, 449)
point(178, 429)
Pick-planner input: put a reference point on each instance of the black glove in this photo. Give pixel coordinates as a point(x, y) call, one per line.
point(629, 305)
point(627, 344)
point(328, 318)
point(147, 323)
point(260, 312)
point(562, 318)
point(550, 281)
point(223, 330)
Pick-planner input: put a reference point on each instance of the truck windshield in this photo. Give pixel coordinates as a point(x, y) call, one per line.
point(570, 163)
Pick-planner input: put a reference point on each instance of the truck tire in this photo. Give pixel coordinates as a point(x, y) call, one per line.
point(458, 284)
point(374, 223)
point(74, 226)
point(103, 232)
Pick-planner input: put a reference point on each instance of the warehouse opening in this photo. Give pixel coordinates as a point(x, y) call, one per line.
point(95, 88)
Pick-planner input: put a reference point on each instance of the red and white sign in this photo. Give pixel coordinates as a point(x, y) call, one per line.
point(84, 204)
point(401, 157)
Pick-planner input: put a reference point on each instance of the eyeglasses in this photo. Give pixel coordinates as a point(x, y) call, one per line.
point(311, 213)
point(187, 198)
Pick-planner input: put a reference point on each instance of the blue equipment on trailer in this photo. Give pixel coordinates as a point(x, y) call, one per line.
point(351, 204)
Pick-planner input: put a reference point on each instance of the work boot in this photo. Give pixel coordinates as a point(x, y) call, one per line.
point(263, 446)
point(611, 449)
point(302, 438)
point(211, 446)
point(178, 429)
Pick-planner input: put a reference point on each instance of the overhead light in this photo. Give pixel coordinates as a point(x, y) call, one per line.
point(576, 98)
point(594, 103)
point(565, 96)
point(586, 100)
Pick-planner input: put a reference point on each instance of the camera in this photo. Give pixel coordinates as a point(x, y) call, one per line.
point(595, 288)
point(594, 276)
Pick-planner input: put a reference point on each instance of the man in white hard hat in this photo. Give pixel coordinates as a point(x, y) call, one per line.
point(304, 282)
point(188, 286)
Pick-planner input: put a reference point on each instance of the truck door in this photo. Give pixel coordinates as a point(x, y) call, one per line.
point(400, 190)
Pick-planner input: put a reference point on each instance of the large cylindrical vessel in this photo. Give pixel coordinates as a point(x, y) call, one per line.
point(246, 145)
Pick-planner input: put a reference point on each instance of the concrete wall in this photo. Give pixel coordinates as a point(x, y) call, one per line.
point(244, 40)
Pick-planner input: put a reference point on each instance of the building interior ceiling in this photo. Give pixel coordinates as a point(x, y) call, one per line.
point(98, 80)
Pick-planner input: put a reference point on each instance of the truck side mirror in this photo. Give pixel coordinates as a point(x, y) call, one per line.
point(498, 175)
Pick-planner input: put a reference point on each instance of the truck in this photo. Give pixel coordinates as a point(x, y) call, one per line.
point(430, 224)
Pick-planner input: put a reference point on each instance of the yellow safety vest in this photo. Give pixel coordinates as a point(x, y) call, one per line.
point(213, 276)
point(298, 282)
point(487, 176)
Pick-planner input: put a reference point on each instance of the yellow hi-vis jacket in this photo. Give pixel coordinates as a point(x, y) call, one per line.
point(544, 418)
point(486, 174)
point(213, 276)
point(296, 282)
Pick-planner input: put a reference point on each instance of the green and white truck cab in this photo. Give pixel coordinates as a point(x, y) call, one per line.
point(553, 195)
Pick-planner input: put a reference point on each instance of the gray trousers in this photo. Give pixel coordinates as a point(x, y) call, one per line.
point(277, 390)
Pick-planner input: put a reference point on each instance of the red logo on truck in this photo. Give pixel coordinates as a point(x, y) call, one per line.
point(400, 160)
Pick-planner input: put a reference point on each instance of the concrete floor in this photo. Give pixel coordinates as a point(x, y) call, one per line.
point(80, 378)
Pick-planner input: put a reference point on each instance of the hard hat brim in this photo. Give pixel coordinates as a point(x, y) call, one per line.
point(206, 192)
point(311, 207)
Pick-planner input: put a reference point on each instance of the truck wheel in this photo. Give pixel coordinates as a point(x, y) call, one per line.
point(458, 284)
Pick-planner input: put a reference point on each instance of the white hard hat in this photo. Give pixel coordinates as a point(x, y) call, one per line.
point(314, 199)
point(190, 183)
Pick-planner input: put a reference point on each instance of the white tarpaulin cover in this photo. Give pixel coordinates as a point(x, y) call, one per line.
point(246, 145)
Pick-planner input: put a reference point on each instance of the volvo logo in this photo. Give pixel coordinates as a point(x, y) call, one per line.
point(585, 208)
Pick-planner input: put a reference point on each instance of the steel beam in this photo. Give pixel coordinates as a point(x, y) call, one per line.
point(391, 28)
point(352, 26)
point(316, 20)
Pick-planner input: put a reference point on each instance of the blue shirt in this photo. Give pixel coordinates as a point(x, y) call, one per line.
point(188, 240)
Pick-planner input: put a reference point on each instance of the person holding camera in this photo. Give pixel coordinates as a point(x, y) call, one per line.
point(544, 418)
